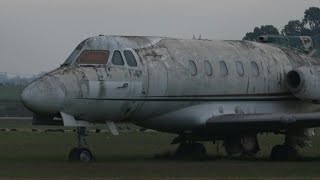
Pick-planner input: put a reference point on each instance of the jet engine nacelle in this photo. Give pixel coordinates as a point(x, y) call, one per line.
point(304, 83)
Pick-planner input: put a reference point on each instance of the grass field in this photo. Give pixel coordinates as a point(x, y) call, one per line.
point(39, 154)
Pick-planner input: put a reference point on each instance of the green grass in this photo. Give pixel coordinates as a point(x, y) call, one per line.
point(39, 154)
point(139, 155)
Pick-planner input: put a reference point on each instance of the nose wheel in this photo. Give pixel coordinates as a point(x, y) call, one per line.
point(81, 153)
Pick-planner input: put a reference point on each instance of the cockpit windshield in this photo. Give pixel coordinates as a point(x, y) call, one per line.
point(74, 54)
point(71, 57)
point(94, 57)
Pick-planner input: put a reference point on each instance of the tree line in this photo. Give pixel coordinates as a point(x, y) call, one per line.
point(16, 80)
point(308, 26)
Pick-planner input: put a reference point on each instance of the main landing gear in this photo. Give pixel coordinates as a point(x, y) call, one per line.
point(81, 153)
point(284, 152)
point(287, 151)
point(294, 138)
point(191, 150)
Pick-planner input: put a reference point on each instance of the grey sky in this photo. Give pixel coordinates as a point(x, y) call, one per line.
point(38, 35)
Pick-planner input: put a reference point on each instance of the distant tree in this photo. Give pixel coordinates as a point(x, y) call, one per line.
point(3, 77)
point(311, 21)
point(312, 18)
point(309, 26)
point(293, 28)
point(263, 30)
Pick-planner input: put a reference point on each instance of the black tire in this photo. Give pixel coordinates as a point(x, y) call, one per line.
point(80, 154)
point(194, 151)
point(183, 150)
point(284, 153)
point(84, 155)
point(73, 154)
point(199, 152)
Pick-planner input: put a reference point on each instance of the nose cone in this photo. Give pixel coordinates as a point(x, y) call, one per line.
point(45, 95)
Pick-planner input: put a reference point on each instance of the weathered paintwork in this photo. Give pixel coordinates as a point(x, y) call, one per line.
point(164, 92)
point(303, 44)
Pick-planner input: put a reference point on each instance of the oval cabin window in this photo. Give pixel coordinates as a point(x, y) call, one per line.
point(240, 69)
point(193, 68)
point(223, 68)
point(208, 68)
point(255, 68)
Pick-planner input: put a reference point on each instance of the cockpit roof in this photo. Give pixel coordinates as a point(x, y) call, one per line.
point(103, 42)
point(118, 42)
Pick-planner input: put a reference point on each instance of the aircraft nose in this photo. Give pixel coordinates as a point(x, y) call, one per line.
point(44, 95)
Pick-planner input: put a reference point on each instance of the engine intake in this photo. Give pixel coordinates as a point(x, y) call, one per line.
point(304, 83)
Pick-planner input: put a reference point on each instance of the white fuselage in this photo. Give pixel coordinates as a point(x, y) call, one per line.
point(176, 86)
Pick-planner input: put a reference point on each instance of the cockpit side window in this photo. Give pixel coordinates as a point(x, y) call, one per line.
point(93, 57)
point(117, 58)
point(131, 60)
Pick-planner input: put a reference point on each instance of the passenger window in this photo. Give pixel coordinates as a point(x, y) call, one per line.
point(131, 60)
point(223, 68)
point(117, 58)
point(240, 69)
point(193, 68)
point(255, 68)
point(208, 68)
point(93, 57)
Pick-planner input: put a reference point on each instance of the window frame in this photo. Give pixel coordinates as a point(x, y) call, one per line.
point(255, 68)
point(192, 64)
point(125, 58)
point(206, 62)
point(122, 56)
point(223, 63)
point(241, 71)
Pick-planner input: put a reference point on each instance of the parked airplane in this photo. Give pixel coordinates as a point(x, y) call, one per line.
point(202, 90)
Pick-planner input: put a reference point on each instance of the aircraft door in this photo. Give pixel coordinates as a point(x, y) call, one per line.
point(127, 83)
point(157, 88)
point(158, 77)
point(118, 85)
point(111, 84)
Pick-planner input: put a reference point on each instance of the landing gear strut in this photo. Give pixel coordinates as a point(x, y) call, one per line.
point(284, 152)
point(287, 151)
point(191, 150)
point(81, 153)
point(247, 145)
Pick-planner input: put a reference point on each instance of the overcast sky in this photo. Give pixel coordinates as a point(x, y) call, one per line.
point(38, 35)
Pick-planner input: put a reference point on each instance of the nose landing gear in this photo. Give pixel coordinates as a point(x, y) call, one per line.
point(81, 153)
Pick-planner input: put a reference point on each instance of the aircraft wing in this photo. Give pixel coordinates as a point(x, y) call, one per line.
point(264, 122)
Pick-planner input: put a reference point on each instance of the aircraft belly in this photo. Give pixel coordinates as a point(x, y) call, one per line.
point(195, 117)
